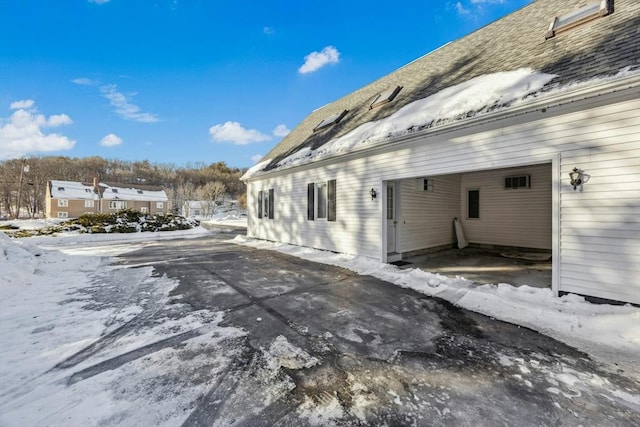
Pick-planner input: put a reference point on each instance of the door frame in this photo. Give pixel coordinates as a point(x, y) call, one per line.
point(384, 223)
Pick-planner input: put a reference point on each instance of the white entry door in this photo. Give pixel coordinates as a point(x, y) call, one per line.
point(392, 222)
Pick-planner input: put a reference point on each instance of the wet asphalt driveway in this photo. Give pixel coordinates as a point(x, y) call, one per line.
point(382, 355)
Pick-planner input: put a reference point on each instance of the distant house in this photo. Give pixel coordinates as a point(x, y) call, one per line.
point(69, 199)
point(197, 208)
point(207, 208)
point(526, 130)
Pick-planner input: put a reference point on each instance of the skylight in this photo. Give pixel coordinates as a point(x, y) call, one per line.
point(114, 190)
point(60, 188)
point(331, 120)
point(139, 191)
point(385, 97)
point(579, 16)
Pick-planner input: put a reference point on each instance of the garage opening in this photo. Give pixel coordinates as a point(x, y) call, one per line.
point(506, 217)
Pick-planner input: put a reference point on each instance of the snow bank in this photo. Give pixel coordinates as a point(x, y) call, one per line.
point(609, 333)
point(57, 303)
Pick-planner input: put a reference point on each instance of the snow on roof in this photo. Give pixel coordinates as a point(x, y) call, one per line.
point(73, 190)
point(475, 97)
point(111, 192)
point(478, 95)
point(253, 170)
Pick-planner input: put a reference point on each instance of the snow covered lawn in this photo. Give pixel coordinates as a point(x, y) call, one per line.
point(58, 309)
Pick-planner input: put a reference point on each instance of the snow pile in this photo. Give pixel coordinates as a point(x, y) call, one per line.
point(68, 325)
point(609, 333)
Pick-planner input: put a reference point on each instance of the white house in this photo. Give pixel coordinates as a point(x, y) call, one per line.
point(486, 129)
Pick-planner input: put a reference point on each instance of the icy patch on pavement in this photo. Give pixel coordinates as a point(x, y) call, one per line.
point(283, 353)
point(609, 333)
point(567, 380)
point(322, 413)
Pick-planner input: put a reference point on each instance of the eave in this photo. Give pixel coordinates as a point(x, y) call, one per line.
point(553, 99)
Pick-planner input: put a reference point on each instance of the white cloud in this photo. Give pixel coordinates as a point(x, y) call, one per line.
point(22, 132)
point(58, 120)
point(124, 108)
point(281, 131)
point(235, 133)
point(316, 60)
point(268, 31)
point(461, 9)
point(99, 1)
point(84, 81)
point(23, 104)
point(111, 140)
point(474, 7)
point(256, 158)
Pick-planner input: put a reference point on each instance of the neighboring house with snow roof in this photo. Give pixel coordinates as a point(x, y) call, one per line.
point(208, 208)
point(486, 129)
point(68, 199)
point(198, 208)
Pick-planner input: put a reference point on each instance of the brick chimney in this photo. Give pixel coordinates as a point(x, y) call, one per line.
point(95, 184)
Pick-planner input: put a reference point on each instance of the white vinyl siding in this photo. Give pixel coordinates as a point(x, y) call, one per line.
point(510, 218)
point(603, 140)
point(600, 239)
point(427, 216)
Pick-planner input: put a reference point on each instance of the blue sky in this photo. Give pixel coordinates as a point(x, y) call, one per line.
point(185, 81)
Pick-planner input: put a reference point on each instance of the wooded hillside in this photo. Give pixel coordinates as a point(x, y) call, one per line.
point(23, 181)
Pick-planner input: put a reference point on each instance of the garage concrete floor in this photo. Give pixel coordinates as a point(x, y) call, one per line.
point(485, 266)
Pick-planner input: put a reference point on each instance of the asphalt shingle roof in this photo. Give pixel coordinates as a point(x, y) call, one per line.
point(600, 47)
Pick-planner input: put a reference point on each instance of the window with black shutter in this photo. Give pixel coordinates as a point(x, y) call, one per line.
point(311, 209)
point(271, 204)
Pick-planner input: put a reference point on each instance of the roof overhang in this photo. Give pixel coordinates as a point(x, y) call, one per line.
point(568, 95)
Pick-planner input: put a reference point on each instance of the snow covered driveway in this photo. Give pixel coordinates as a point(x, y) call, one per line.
point(206, 332)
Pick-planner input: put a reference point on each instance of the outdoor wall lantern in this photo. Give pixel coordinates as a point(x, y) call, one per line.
point(373, 193)
point(576, 178)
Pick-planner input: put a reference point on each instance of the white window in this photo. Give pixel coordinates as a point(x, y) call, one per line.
point(579, 16)
point(63, 214)
point(144, 209)
point(159, 205)
point(88, 203)
point(321, 200)
point(424, 184)
point(117, 204)
point(63, 203)
point(321, 197)
point(266, 204)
